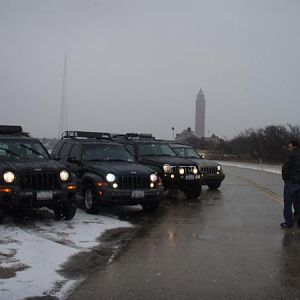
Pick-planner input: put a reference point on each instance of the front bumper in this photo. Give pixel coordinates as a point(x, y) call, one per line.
point(181, 182)
point(212, 177)
point(129, 197)
point(13, 197)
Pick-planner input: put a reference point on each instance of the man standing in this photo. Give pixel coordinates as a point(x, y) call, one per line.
point(291, 177)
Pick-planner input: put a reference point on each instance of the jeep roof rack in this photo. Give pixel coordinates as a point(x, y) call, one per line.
point(87, 134)
point(146, 136)
point(139, 136)
point(12, 130)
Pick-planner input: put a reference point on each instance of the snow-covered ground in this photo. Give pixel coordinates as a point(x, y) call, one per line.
point(30, 256)
point(263, 167)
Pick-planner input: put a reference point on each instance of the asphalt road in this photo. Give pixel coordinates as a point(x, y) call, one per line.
point(226, 245)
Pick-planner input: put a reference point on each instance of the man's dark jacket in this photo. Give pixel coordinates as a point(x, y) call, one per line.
point(291, 167)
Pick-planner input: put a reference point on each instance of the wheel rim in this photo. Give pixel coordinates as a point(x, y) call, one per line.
point(88, 199)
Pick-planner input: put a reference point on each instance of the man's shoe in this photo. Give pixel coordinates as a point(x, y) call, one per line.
point(286, 225)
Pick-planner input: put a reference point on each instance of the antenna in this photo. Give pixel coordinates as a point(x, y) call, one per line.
point(63, 104)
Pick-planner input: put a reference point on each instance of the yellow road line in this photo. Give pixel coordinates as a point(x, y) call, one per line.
point(262, 188)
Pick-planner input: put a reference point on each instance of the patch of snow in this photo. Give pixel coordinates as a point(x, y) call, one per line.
point(262, 167)
point(36, 253)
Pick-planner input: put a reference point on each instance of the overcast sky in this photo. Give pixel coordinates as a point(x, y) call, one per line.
point(138, 65)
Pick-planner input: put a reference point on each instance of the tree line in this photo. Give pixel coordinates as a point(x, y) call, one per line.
point(268, 143)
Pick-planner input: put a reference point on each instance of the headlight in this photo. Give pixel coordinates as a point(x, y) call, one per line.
point(167, 168)
point(110, 177)
point(153, 177)
point(64, 175)
point(195, 170)
point(9, 177)
point(181, 171)
point(219, 168)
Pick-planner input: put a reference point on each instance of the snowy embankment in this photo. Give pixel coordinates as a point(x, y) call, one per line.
point(30, 256)
point(262, 167)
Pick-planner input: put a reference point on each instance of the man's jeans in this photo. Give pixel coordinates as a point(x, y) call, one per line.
point(291, 194)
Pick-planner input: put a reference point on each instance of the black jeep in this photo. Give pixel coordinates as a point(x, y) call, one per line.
point(30, 179)
point(106, 172)
point(176, 173)
point(211, 172)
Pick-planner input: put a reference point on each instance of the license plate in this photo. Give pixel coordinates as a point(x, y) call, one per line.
point(138, 194)
point(44, 195)
point(190, 177)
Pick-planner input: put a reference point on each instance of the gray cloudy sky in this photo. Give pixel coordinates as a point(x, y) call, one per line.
point(138, 65)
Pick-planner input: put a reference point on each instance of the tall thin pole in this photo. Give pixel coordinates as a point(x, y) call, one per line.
point(62, 103)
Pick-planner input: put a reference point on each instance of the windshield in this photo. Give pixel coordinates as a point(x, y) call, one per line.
point(155, 149)
point(99, 152)
point(22, 149)
point(186, 152)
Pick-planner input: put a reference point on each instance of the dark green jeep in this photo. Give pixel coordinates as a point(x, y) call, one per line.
point(30, 179)
point(211, 172)
point(177, 173)
point(106, 172)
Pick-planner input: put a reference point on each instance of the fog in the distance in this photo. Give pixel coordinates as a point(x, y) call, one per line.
point(138, 65)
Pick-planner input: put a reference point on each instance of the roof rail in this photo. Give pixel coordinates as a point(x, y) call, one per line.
point(146, 136)
point(131, 136)
point(139, 136)
point(87, 135)
point(13, 130)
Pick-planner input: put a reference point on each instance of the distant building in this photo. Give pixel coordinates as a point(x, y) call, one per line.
point(200, 115)
point(185, 135)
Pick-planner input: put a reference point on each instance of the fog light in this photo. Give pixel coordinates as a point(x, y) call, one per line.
point(115, 185)
point(152, 185)
point(71, 187)
point(5, 190)
point(172, 176)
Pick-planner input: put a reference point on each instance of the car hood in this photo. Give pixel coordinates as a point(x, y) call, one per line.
point(203, 162)
point(26, 165)
point(119, 168)
point(161, 160)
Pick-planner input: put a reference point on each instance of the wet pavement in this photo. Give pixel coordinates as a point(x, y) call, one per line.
point(225, 245)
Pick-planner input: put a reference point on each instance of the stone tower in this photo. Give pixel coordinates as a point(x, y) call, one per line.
point(200, 114)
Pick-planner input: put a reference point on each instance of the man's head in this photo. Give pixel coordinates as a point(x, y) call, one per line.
point(293, 145)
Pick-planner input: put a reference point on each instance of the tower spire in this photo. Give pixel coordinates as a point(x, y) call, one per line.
point(200, 114)
point(63, 106)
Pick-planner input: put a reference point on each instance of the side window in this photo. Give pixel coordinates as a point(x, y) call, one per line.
point(76, 152)
point(64, 152)
point(56, 149)
point(130, 149)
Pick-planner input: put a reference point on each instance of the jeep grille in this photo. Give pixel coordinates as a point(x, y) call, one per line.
point(39, 181)
point(187, 169)
point(209, 170)
point(133, 182)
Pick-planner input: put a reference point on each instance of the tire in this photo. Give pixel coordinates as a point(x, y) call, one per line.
point(89, 201)
point(2, 215)
point(150, 207)
point(69, 210)
point(193, 194)
point(214, 185)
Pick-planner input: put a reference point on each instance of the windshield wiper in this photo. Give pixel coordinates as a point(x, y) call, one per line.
point(96, 159)
point(118, 159)
point(10, 152)
point(33, 150)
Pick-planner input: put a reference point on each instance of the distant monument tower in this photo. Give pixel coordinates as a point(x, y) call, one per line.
point(200, 114)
